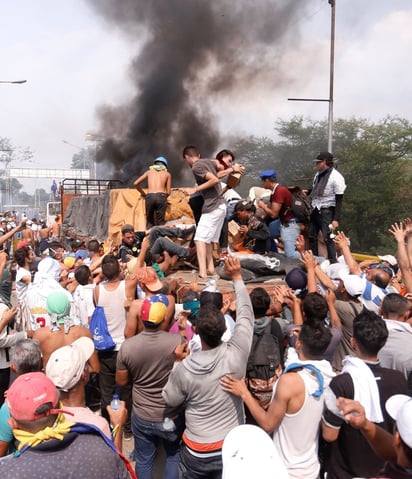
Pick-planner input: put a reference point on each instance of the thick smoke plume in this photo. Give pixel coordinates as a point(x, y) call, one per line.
point(190, 54)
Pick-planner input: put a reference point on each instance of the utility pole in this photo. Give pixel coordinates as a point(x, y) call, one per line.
point(332, 4)
point(331, 73)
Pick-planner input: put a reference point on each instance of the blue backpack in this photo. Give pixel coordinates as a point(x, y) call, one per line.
point(100, 332)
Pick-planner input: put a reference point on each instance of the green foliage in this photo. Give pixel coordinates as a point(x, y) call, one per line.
point(83, 159)
point(374, 158)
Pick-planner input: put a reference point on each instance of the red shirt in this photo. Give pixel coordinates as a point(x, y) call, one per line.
point(283, 196)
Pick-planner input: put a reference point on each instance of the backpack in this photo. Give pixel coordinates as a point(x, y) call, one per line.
point(301, 205)
point(264, 366)
point(100, 332)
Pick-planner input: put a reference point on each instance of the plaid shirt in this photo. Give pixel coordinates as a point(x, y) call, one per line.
point(335, 186)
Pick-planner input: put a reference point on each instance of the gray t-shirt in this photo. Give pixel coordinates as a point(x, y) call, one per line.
point(148, 357)
point(212, 197)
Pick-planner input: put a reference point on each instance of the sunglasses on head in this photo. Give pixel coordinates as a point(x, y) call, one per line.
point(383, 267)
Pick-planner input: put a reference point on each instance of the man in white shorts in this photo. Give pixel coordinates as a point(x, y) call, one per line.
point(213, 211)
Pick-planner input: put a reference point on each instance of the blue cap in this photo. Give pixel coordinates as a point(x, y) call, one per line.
point(162, 159)
point(81, 253)
point(268, 174)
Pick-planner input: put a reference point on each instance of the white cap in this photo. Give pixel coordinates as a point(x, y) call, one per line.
point(66, 364)
point(354, 284)
point(399, 408)
point(335, 270)
point(247, 452)
point(390, 259)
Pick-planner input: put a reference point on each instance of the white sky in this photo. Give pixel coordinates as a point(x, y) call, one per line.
point(73, 63)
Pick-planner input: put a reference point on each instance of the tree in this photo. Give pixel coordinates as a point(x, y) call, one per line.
point(10, 187)
point(375, 159)
point(83, 159)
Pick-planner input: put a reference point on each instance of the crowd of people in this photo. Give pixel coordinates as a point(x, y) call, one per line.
point(310, 378)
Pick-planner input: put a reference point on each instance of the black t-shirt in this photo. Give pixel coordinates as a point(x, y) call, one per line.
point(350, 455)
point(133, 249)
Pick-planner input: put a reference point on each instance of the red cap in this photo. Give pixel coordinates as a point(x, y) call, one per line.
point(27, 393)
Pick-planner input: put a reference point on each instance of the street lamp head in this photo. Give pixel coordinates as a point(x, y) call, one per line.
point(16, 82)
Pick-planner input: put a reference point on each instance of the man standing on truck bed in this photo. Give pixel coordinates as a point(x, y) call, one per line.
point(159, 185)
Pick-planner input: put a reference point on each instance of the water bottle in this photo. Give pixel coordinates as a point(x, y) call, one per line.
point(211, 286)
point(115, 404)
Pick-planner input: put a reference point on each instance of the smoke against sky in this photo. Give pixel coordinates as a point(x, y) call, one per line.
point(194, 54)
point(79, 58)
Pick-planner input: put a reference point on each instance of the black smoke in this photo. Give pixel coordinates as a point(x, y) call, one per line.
point(190, 54)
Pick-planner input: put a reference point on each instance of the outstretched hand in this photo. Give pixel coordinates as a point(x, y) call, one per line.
point(398, 232)
point(233, 268)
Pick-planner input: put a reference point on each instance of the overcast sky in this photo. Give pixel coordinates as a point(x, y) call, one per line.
point(73, 62)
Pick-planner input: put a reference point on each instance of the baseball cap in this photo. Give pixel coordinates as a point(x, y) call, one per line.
point(21, 244)
point(81, 253)
point(66, 364)
point(399, 408)
point(267, 174)
point(335, 270)
point(354, 284)
point(27, 393)
point(296, 279)
point(154, 309)
point(249, 452)
point(388, 258)
point(161, 159)
point(69, 261)
point(127, 228)
point(324, 156)
point(148, 276)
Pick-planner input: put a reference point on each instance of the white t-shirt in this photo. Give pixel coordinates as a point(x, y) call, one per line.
point(21, 286)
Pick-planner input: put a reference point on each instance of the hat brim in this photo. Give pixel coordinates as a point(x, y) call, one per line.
point(394, 404)
point(155, 286)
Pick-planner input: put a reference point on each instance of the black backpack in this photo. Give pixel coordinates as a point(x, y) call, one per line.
point(264, 366)
point(301, 205)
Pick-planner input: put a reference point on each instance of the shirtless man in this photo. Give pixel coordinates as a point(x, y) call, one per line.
point(159, 185)
point(62, 332)
point(27, 234)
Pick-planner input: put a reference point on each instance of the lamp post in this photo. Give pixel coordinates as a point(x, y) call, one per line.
point(78, 147)
point(332, 4)
point(97, 139)
point(14, 82)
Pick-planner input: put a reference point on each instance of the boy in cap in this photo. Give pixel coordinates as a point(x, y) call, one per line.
point(279, 209)
point(159, 187)
point(395, 448)
point(147, 359)
point(49, 445)
point(149, 282)
point(68, 368)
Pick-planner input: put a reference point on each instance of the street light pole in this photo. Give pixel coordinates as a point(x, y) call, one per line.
point(332, 3)
point(97, 139)
point(331, 73)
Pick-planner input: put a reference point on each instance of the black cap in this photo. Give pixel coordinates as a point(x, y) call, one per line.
point(324, 156)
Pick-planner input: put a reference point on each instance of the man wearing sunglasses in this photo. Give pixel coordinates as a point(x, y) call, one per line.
point(375, 279)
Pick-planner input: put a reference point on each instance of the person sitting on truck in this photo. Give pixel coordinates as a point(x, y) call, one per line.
point(131, 243)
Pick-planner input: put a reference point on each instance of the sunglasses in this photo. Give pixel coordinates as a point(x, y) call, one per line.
point(383, 267)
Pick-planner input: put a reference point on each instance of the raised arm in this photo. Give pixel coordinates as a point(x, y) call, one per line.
point(343, 243)
point(400, 233)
